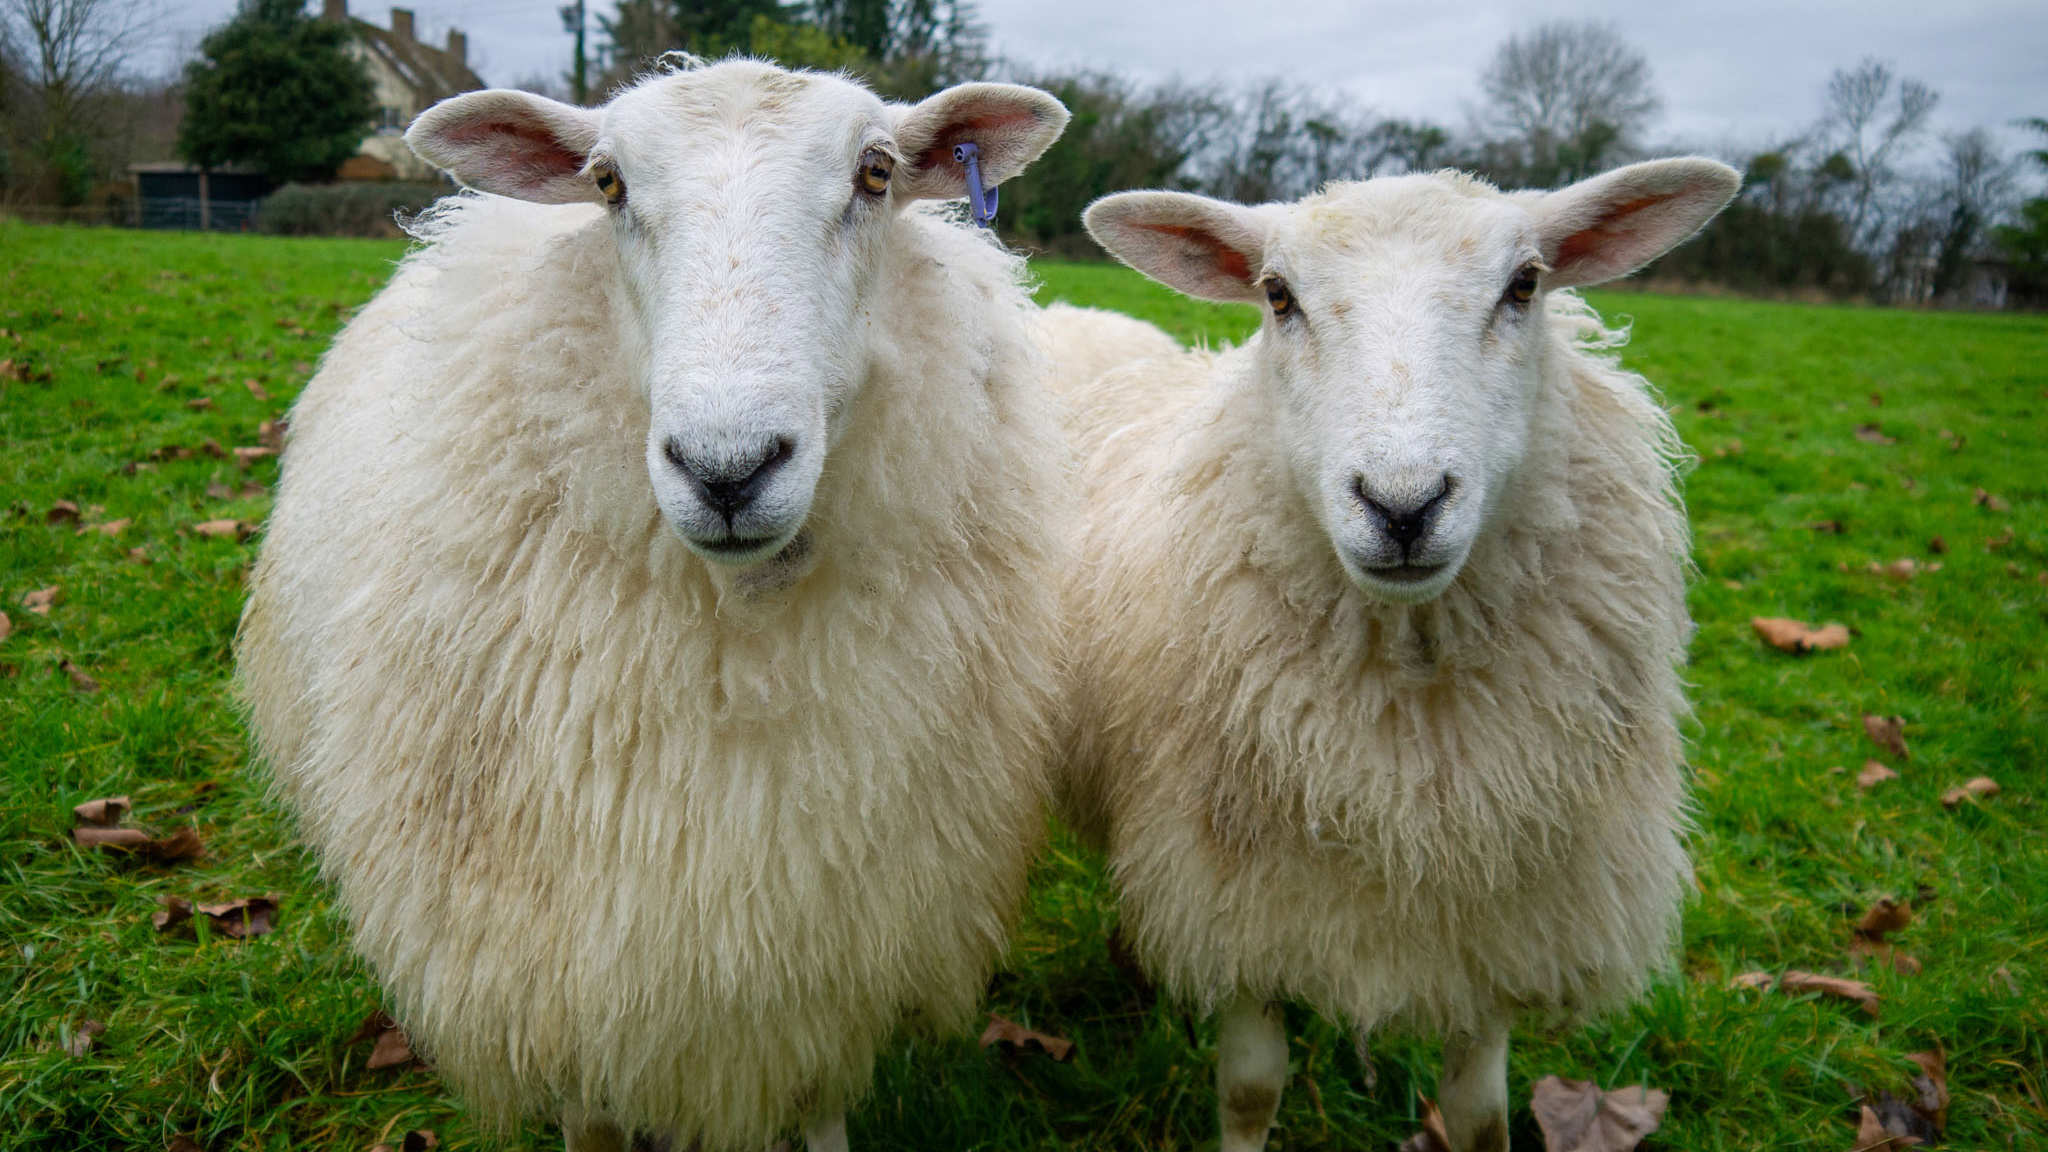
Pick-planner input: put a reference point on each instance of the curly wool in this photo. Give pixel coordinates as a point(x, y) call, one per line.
point(1419, 815)
point(618, 832)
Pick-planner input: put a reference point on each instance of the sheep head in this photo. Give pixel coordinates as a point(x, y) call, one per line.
point(1404, 343)
point(752, 208)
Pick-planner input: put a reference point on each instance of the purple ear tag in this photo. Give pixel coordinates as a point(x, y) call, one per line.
point(981, 201)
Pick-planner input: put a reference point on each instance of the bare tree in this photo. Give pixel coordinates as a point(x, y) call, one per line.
point(1573, 95)
point(65, 60)
point(1874, 118)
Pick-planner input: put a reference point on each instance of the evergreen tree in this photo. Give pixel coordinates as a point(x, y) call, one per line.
point(276, 89)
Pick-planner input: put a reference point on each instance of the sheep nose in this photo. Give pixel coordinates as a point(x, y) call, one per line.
point(727, 485)
point(1403, 520)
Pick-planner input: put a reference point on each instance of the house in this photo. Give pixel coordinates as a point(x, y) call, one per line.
point(410, 77)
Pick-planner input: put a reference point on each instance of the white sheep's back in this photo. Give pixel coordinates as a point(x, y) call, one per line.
point(612, 833)
point(1394, 815)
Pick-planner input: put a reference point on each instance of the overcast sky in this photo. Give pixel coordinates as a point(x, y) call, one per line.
point(1732, 72)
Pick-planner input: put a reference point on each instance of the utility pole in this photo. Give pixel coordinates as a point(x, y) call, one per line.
point(572, 23)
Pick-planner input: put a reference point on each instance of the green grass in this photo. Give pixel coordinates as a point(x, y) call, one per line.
point(242, 1044)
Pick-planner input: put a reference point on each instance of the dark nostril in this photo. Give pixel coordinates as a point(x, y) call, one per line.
point(730, 485)
point(1404, 523)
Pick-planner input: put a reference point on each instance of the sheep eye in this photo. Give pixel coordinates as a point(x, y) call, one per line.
point(610, 184)
point(875, 170)
point(1279, 297)
point(1522, 288)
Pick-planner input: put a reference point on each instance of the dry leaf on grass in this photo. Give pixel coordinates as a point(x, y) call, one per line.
point(1874, 774)
point(256, 389)
point(140, 556)
point(417, 1140)
point(1871, 1135)
point(244, 457)
point(1753, 980)
point(184, 1144)
point(239, 529)
point(1902, 569)
point(40, 600)
point(6, 626)
point(1983, 499)
point(1994, 543)
point(1937, 545)
point(1433, 1137)
point(80, 1039)
point(119, 839)
point(1930, 1086)
point(1576, 1116)
point(1838, 986)
point(1831, 527)
point(237, 919)
point(110, 528)
point(391, 1048)
point(184, 844)
point(79, 679)
point(102, 813)
point(1794, 636)
point(1884, 917)
point(1012, 1035)
point(200, 404)
point(1872, 434)
point(272, 433)
point(61, 512)
point(1978, 787)
point(1888, 733)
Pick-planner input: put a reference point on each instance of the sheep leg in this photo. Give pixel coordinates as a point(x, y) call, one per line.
point(590, 1134)
point(1251, 1069)
point(1473, 1093)
point(826, 1133)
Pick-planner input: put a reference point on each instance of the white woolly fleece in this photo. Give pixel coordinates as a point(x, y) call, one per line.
point(1417, 814)
point(622, 833)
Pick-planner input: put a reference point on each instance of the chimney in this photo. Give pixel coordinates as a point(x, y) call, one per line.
point(401, 23)
point(458, 47)
point(335, 12)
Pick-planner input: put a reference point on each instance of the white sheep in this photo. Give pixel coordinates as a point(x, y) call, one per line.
point(1377, 620)
point(1083, 343)
point(655, 632)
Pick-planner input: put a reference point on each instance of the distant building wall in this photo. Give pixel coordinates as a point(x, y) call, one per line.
point(409, 77)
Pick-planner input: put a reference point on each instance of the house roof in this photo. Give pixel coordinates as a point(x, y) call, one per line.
point(431, 72)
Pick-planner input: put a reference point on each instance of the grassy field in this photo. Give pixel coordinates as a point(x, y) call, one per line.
point(127, 355)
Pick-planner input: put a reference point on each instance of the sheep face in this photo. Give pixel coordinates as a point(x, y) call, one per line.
point(1403, 354)
point(754, 212)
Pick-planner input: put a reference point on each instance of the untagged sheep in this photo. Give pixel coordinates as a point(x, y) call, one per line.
point(1377, 621)
point(1083, 343)
point(655, 632)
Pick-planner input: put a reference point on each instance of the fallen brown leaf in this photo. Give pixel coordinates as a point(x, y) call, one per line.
point(102, 813)
point(1794, 636)
point(1872, 434)
point(6, 626)
point(174, 912)
point(61, 512)
point(1937, 545)
point(1983, 499)
point(1871, 1135)
point(212, 448)
point(243, 919)
point(1888, 733)
point(1884, 917)
point(40, 600)
point(121, 839)
point(1753, 980)
point(79, 679)
point(1837, 986)
point(219, 491)
point(391, 1048)
point(244, 457)
point(256, 389)
point(239, 529)
point(110, 528)
point(271, 433)
point(1831, 527)
point(1874, 774)
point(1013, 1035)
point(200, 403)
point(1977, 786)
point(1433, 1137)
point(1994, 543)
point(1576, 1116)
point(184, 844)
point(81, 1038)
point(1904, 568)
point(140, 556)
point(1931, 1086)
point(184, 1144)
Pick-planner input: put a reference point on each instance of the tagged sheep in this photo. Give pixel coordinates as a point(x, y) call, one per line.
point(1377, 620)
point(655, 630)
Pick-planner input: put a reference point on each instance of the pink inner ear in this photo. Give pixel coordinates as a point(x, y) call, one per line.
point(521, 144)
point(983, 129)
point(1612, 225)
point(1229, 261)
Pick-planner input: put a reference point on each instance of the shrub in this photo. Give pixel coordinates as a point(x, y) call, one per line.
point(343, 209)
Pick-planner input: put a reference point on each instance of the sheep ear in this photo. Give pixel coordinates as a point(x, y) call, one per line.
point(1009, 124)
point(511, 143)
point(1615, 223)
point(1206, 248)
